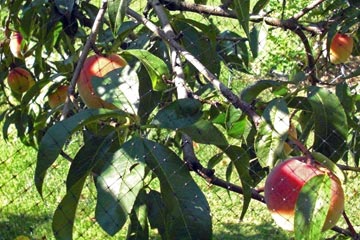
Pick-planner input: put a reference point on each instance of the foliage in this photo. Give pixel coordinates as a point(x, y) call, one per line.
point(147, 139)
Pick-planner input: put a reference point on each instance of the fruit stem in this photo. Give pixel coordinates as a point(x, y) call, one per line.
point(294, 142)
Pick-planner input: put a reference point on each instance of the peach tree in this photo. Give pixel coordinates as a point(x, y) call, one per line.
point(141, 118)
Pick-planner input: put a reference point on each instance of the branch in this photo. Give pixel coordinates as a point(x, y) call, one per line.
point(209, 174)
point(224, 12)
point(70, 99)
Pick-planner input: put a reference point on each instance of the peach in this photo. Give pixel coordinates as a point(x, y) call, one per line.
point(58, 97)
point(341, 48)
point(20, 80)
point(98, 66)
point(15, 45)
point(284, 183)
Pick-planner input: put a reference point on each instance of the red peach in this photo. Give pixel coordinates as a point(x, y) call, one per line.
point(98, 66)
point(341, 48)
point(58, 97)
point(283, 185)
point(20, 80)
point(15, 45)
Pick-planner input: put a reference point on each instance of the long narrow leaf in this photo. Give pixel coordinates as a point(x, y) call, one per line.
point(331, 126)
point(118, 185)
point(80, 169)
point(242, 9)
point(116, 11)
point(187, 212)
point(272, 132)
point(63, 220)
point(312, 206)
point(155, 66)
point(56, 136)
point(179, 114)
point(241, 160)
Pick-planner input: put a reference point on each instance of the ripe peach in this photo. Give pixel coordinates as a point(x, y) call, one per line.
point(20, 80)
point(282, 189)
point(98, 66)
point(341, 48)
point(58, 97)
point(15, 45)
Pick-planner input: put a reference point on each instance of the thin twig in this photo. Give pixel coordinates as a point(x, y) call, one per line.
point(70, 99)
point(348, 168)
point(307, 9)
point(350, 226)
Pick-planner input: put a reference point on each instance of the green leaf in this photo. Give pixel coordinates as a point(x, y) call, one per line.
point(259, 6)
point(343, 92)
point(242, 9)
point(54, 139)
point(272, 132)
point(214, 160)
point(156, 211)
point(254, 41)
point(138, 227)
point(233, 52)
point(299, 103)
point(80, 169)
point(331, 126)
point(118, 186)
point(251, 92)
point(187, 213)
point(94, 150)
point(149, 99)
point(179, 114)
point(65, 7)
point(116, 12)
point(119, 87)
point(200, 1)
point(63, 220)
point(155, 66)
point(312, 206)
point(204, 131)
point(323, 160)
point(240, 160)
point(202, 48)
point(276, 114)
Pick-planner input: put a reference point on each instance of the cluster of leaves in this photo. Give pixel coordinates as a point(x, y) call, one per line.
point(128, 149)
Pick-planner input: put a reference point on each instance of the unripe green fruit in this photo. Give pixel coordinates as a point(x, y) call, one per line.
point(283, 185)
point(98, 66)
point(20, 80)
